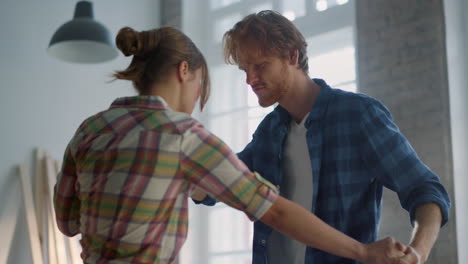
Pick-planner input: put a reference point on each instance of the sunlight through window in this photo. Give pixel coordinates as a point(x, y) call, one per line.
point(222, 234)
point(321, 5)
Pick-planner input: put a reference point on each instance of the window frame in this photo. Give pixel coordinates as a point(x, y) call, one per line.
point(314, 23)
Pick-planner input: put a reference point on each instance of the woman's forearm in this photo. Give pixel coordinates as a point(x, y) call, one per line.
point(298, 223)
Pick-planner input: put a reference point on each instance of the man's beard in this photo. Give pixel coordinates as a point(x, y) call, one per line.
point(276, 93)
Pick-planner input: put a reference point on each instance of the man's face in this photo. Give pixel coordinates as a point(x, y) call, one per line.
point(268, 76)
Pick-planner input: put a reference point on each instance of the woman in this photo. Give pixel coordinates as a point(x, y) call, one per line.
point(128, 171)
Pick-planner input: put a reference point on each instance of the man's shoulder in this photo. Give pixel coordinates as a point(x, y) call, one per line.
point(353, 101)
point(351, 97)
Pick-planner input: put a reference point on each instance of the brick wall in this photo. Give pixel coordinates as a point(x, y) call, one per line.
point(402, 62)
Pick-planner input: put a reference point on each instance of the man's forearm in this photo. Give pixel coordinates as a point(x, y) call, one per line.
point(426, 228)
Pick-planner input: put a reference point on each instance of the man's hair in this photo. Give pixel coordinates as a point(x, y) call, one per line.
point(269, 32)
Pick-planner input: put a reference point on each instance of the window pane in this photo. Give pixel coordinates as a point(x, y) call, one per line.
point(255, 116)
point(323, 5)
point(252, 99)
point(224, 24)
point(230, 230)
point(260, 7)
point(341, 2)
point(232, 129)
point(335, 67)
point(293, 9)
point(260, 112)
point(228, 90)
point(215, 4)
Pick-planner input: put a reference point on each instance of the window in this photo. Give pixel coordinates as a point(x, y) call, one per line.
point(293, 9)
point(323, 5)
point(336, 67)
point(216, 4)
point(331, 57)
point(224, 24)
point(220, 234)
point(235, 245)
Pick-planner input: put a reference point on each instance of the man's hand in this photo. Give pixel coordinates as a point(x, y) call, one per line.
point(411, 257)
point(385, 251)
point(198, 194)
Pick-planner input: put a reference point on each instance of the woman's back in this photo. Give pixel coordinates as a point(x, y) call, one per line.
point(131, 192)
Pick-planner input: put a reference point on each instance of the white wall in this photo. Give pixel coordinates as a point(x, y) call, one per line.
point(457, 56)
point(43, 100)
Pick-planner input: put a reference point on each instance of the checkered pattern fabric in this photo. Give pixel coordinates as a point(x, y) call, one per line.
point(128, 173)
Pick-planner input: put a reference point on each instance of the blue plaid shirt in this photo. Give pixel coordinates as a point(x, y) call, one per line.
point(355, 150)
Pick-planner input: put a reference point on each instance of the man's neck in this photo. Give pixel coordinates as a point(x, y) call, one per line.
point(300, 98)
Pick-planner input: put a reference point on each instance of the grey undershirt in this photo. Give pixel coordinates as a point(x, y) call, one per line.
point(296, 186)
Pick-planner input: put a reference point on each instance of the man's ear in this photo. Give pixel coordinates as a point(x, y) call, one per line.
point(294, 57)
point(183, 71)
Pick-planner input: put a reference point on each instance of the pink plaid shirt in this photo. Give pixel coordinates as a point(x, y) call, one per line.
point(128, 173)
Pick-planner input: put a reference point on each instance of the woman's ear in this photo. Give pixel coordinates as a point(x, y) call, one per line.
point(183, 71)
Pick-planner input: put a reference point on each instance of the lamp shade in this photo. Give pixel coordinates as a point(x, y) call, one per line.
point(83, 39)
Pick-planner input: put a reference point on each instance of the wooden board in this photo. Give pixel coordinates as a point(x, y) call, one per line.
point(59, 237)
point(42, 226)
point(8, 224)
point(39, 191)
point(30, 215)
point(51, 243)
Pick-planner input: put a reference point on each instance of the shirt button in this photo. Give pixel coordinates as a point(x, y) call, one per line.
point(263, 241)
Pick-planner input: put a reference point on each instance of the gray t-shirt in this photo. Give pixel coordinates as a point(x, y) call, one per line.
point(296, 186)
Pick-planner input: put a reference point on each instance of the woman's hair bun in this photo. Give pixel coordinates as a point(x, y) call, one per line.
point(128, 41)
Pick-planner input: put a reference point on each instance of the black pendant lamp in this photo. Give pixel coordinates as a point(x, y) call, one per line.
point(83, 39)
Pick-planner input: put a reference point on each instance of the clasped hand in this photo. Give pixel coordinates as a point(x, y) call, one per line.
point(389, 251)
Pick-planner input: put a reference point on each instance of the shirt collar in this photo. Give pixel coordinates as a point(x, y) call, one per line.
point(321, 103)
point(293, 123)
point(148, 102)
point(319, 107)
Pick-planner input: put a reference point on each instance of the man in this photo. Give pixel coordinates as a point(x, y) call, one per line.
point(328, 150)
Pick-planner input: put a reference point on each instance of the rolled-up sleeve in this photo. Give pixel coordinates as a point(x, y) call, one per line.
point(245, 156)
point(208, 163)
point(396, 165)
